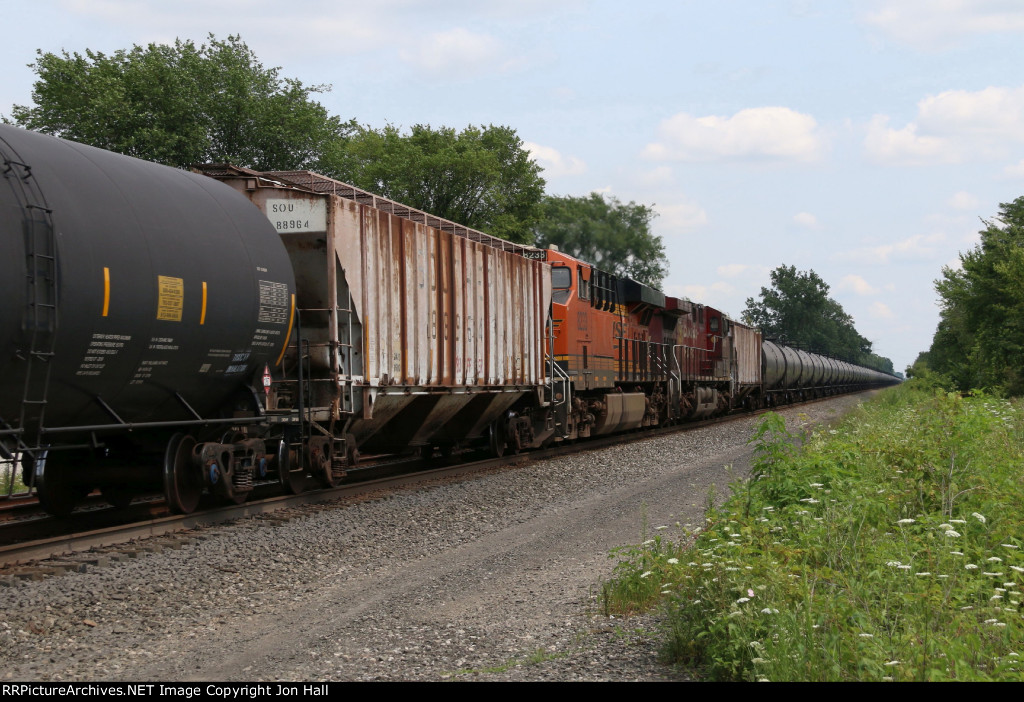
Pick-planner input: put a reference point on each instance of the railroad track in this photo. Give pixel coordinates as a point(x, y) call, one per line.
point(28, 547)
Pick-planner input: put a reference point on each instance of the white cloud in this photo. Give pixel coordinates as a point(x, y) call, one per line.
point(904, 146)
point(857, 285)
point(939, 24)
point(952, 127)
point(1015, 170)
point(992, 112)
point(773, 133)
point(733, 270)
point(336, 30)
point(681, 216)
point(963, 200)
point(920, 247)
point(701, 293)
point(553, 162)
point(456, 53)
point(806, 219)
point(880, 310)
point(662, 175)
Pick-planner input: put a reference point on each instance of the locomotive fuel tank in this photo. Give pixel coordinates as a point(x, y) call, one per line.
point(130, 291)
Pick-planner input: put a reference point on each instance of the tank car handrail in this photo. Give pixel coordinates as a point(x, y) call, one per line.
point(130, 426)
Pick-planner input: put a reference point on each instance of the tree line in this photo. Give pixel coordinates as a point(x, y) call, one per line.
point(185, 104)
point(979, 342)
point(797, 311)
point(215, 102)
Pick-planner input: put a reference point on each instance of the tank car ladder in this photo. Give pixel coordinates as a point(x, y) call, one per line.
point(41, 308)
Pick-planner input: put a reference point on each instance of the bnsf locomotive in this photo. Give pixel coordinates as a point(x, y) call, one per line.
point(205, 331)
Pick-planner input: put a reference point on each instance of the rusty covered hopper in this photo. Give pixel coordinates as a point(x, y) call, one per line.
point(420, 331)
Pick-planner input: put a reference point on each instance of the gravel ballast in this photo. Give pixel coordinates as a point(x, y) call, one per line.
point(490, 578)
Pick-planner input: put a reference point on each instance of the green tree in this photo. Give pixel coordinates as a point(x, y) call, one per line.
point(480, 177)
point(615, 237)
point(979, 342)
point(181, 105)
point(797, 310)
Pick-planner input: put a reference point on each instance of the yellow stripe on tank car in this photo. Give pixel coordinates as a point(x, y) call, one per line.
point(288, 334)
point(202, 315)
point(106, 292)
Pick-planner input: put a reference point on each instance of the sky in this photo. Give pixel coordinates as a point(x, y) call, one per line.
point(862, 139)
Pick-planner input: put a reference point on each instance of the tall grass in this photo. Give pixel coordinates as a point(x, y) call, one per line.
point(886, 548)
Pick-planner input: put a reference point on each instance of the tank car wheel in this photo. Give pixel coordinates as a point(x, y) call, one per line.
point(183, 484)
point(117, 497)
point(294, 481)
point(496, 438)
point(55, 488)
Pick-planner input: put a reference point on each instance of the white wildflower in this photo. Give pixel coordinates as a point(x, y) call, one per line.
point(1018, 569)
point(971, 566)
point(923, 574)
point(646, 573)
point(1009, 546)
point(893, 563)
point(952, 534)
point(742, 600)
point(892, 663)
point(979, 517)
point(866, 636)
point(995, 559)
point(906, 521)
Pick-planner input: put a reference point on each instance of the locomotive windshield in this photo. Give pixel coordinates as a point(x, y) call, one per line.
point(561, 278)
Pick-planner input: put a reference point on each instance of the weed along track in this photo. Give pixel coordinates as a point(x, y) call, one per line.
point(494, 578)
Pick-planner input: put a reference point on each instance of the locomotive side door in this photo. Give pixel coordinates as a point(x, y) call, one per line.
point(584, 322)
